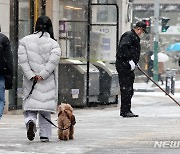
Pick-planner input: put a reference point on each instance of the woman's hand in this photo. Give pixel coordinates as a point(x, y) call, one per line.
point(37, 78)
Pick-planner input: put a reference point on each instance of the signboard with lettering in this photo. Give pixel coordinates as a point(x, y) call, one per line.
point(106, 51)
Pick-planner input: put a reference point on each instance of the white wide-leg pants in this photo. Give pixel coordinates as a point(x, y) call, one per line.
point(44, 126)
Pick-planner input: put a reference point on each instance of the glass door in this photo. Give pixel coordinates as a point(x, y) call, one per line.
point(73, 28)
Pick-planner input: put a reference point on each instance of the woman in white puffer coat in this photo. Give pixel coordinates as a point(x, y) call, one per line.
point(39, 56)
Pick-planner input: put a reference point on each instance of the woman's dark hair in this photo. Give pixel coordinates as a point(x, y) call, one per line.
point(44, 24)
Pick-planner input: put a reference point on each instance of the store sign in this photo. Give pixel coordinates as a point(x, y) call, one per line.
point(106, 51)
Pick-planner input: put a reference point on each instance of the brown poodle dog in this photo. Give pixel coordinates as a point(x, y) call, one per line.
point(66, 122)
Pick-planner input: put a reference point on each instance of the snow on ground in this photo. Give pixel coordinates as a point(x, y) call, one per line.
point(155, 103)
point(152, 89)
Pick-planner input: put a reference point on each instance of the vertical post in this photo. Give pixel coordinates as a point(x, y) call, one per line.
point(31, 16)
point(117, 28)
point(156, 39)
point(14, 16)
point(168, 81)
point(36, 10)
point(173, 81)
point(43, 4)
point(88, 51)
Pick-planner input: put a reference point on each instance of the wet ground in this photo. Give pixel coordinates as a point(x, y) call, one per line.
point(100, 130)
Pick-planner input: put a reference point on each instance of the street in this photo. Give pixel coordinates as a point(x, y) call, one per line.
point(77, 51)
point(101, 130)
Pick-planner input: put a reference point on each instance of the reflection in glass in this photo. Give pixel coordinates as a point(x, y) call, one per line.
point(73, 28)
point(24, 22)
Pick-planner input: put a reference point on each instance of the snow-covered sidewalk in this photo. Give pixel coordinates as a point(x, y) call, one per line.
point(151, 87)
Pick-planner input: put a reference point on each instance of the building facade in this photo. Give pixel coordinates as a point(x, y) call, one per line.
point(109, 19)
point(5, 16)
point(70, 23)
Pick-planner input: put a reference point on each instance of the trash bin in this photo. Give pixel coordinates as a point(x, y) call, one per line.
point(108, 83)
point(72, 83)
point(170, 80)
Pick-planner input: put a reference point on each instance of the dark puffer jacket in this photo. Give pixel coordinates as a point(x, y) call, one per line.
point(128, 49)
point(6, 61)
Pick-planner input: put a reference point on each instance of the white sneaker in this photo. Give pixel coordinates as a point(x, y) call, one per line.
point(44, 139)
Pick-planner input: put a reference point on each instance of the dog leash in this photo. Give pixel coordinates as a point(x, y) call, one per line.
point(34, 83)
point(54, 124)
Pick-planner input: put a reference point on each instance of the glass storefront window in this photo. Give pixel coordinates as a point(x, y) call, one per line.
point(24, 24)
point(104, 31)
point(73, 28)
point(73, 10)
point(104, 13)
point(29, 10)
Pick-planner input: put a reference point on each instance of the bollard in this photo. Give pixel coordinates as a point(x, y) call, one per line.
point(168, 80)
point(173, 73)
point(172, 85)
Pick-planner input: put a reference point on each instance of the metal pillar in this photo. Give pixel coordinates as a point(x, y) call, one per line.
point(88, 51)
point(14, 4)
point(31, 16)
point(43, 7)
point(36, 10)
point(156, 40)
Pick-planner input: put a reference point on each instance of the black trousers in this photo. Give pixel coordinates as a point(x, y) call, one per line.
point(126, 80)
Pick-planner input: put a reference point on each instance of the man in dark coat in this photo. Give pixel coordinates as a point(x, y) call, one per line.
point(6, 69)
point(127, 57)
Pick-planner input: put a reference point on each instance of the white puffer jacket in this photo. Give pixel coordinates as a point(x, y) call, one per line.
point(39, 56)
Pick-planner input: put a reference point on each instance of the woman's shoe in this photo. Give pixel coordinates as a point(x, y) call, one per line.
point(30, 130)
point(129, 115)
point(44, 139)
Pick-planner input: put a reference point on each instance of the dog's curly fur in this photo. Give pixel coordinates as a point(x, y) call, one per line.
point(66, 120)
